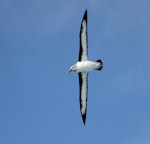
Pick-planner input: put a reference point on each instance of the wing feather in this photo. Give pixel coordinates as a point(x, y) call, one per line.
point(83, 86)
point(83, 51)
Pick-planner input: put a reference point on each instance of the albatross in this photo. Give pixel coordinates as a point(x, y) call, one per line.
point(83, 66)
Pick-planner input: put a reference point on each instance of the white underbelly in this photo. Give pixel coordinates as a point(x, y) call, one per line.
point(87, 66)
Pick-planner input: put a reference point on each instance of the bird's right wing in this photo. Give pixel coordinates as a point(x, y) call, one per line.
point(83, 86)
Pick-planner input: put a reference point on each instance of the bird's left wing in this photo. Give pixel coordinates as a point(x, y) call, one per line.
point(83, 85)
point(83, 51)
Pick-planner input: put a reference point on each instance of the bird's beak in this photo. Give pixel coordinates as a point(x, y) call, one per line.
point(69, 70)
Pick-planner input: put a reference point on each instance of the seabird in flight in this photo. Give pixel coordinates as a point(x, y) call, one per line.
point(83, 66)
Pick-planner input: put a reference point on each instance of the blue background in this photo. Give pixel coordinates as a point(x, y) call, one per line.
point(39, 100)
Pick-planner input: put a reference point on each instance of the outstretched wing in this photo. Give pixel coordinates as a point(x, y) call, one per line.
point(83, 51)
point(83, 86)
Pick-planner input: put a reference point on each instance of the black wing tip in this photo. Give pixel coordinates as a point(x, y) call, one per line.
point(84, 118)
point(85, 15)
point(86, 11)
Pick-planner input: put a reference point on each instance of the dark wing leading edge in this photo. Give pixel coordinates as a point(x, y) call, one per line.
point(83, 51)
point(83, 86)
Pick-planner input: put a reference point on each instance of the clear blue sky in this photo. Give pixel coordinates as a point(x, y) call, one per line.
point(39, 100)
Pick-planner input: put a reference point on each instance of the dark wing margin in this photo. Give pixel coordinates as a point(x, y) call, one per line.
point(83, 95)
point(83, 51)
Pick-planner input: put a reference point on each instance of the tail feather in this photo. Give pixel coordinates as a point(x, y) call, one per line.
point(100, 65)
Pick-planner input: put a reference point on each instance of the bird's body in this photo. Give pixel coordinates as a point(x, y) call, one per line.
point(83, 66)
point(86, 66)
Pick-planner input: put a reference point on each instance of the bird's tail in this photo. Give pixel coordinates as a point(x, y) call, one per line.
point(100, 65)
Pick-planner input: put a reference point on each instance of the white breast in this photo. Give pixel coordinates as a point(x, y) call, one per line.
point(86, 66)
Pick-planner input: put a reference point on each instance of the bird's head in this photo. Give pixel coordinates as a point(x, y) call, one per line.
point(72, 68)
